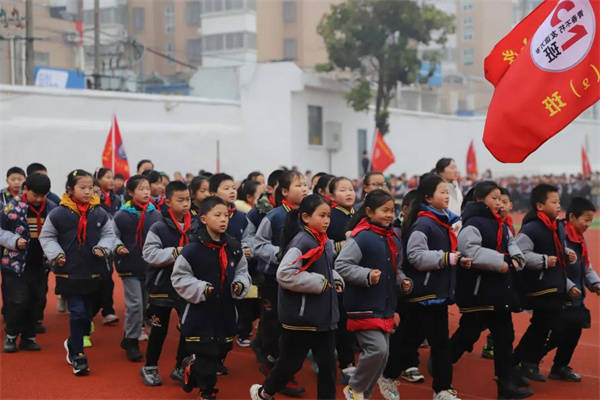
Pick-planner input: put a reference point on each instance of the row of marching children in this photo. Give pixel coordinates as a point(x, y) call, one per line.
point(326, 275)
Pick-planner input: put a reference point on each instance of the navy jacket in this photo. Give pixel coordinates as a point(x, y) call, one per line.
point(340, 217)
point(307, 300)
point(125, 222)
point(115, 203)
point(580, 275)
point(237, 225)
point(267, 240)
point(483, 287)
point(424, 255)
point(209, 318)
point(82, 271)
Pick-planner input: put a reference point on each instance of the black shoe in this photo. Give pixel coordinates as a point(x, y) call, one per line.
point(508, 390)
point(564, 374)
point(517, 378)
point(177, 374)
point(29, 344)
point(10, 344)
point(487, 352)
point(39, 328)
point(188, 383)
point(292, 389)
point(80, 365)
point(132, 349)
point(222, 369)
point(209, 394)
point(531, 371)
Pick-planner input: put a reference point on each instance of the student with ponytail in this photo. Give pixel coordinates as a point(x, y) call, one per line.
point(486, 292)
point(290, 192)
point(77, 237)
point(308, 300)
point(370, 264)
point(431, 257)
point(132, 224)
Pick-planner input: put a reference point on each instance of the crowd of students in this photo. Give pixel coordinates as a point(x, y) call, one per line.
point(354, 284)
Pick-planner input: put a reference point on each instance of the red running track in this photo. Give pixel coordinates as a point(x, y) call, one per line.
point(45, 374)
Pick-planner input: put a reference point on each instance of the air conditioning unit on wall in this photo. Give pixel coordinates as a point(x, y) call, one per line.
point(333, 136)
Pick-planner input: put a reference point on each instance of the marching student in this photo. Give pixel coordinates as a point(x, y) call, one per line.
point(77, 237)
point(163, 244)
point(574, 316)
point(486, 293)
point(131, 225)
point(290, 192)
point(370, 264)
point(24, 276)
point(157, 189)
point(15, 177)
point(209, 274)
point(547, 258)
point(431, 258)
point(308, 300)
point(38, 168)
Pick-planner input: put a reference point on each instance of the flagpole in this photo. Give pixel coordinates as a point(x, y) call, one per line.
point(373, 141)
point(112, 135)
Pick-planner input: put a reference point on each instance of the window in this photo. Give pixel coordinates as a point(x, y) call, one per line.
point(289, 49)
point(138, 18)
point(234, 4)
point(468, 56)
point(217, 5)
point(234, 40)
point(193, 50)
point(289, 11)
point(250, 42)
point(193, 10)
point(315, 125)
point(251, 4)
point(170, 51)
point(468, 28)
point(467, 5)
point(213, 42)
point(41, 59)
point(169, 18)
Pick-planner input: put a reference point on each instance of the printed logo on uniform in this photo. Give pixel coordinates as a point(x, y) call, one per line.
point(565, 38)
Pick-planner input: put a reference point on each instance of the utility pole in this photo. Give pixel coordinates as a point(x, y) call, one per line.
point(29, 55)
point(97, 44)
point(81, 44)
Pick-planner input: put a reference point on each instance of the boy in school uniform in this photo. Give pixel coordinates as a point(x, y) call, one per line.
point(15, 177)
point(24, 265)
point(542, 240)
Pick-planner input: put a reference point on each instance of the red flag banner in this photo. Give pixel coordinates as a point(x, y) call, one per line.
point(114, 156)
point(382, 154)
point(586, 167)
point(555, 78)
point(472, 161)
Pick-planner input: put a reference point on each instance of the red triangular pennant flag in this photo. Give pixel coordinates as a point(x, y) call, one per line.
point(554, 79)
point(472, 161)
point(586, 167)
point(115, 160)
point(382, 154)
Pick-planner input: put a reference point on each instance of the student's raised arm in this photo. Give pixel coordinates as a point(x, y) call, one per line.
point(8, 239)
point(346, 264)
point(184, 282)
point(107, 236)
point(469, 245)
point(263, 248)
point(533, 260)
point(420, 256)
point(290, 277)
point(241, 277)
point(155, 254)
point(49, 239)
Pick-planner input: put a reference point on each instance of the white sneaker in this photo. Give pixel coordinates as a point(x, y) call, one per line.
point(388, 388)
point(254, 390)
point(143, 336)
point(412, 375)
point(450, 394)
point(349, 394)
point(61, 305)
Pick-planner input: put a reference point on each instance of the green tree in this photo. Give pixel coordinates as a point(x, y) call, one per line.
point(376, 40)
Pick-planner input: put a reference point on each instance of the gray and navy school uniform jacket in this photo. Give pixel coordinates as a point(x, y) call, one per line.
point(426, 255)
point(254, 218)
point(267, 240)
point(209, 318)
point(537, 243)
point(360, 255)
point(160, 252)
point(160, 203)
point(237, 225)
point(338, 226)
point(483, 287)
point(17, 221)
point(307, 300)
point(111, 206)
point(125, 226)
point(580, 274)
point(83, 271)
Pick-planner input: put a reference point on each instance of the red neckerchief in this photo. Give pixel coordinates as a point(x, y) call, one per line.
point(509, 221)
point(315, 253)
point(577, 237)
point(187, 223)
point(38, 212)
point(107, 200)
point(500, 221)
point(231, 211)
point(82, 224)
point(451, 234)
point(139, 232)
point(271, 199)
point(287, 204)
point(327, 199)
point(161, 201)
point(553, 226)
point(388, 233)
point(222, 258)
